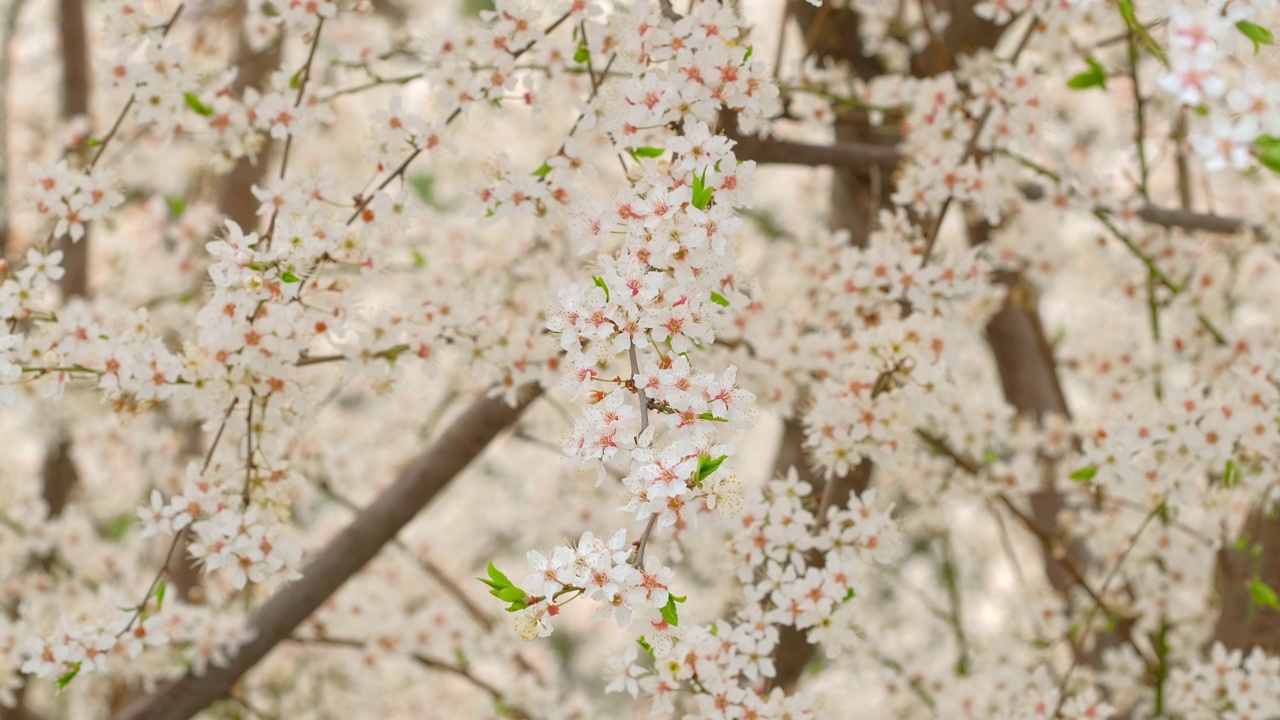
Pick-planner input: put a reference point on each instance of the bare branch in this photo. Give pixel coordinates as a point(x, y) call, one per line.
point(861, 158)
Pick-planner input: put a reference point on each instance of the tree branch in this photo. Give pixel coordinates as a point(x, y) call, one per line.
point(864, 158)
point(234, 197)
point(377, 525)
point(75, 102)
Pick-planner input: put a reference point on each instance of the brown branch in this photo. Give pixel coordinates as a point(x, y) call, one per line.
point(235, 200)
point(415, 487)
point(794, 651)
point(1244, 623)
point(10, 21)
point(863, 158)
point(853, 156)
point(427, 564)
point(59, 476)
point(75, 103)
point(1190, 220)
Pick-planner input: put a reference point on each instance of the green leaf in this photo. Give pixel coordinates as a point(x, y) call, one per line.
point(707, 466)
point(583, 54)
point(511, 594)
point(1269, 152)
point(1084, 474)
point(542, 170)
point(177, 205)
point(289, 277)
point(424, 186)
point(750, 51)
point(669, 611)
point(1263, 594)
point(496, 575)
point(1257, 34)
point(645, 644)
point(473, 8)
point(418, 259)
point(117, 526)
point(701, 193)
point(194, 103)
point(1231, 474)
point(711, 417)
point(703, 199)
point(645, 152)
point(296, 79)
point(599, 281)
point(66, 678)
point(990, 457)
point(92, 142)
point(849, 595)
point(1095, 76)
point(719, 299)
point(160, 590)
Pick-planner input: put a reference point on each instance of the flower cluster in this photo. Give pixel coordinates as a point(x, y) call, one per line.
point(803, 561)
point(596, 570)
point(1202, 42)
point(67, 199)
point(190, 635)
point(1228, 683)
point(320, 236)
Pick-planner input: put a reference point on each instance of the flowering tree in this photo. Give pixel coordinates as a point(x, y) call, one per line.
point(762, 359)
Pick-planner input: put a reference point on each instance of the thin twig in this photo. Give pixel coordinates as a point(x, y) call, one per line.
point(155, 582)
point(1139, 120)
point(115, 127)
point(248, 439)
point(303, 77)
point(214, 445)
point(643, 542)
point(426, 564)
point(424, 661)
point(1049, 543)
point(1088, 620)
point(972, 146)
